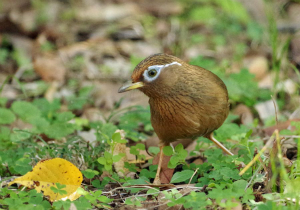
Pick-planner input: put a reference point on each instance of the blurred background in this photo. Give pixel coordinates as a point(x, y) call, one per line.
point(80, 52)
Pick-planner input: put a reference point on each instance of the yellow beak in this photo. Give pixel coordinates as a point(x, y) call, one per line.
point(132, 86)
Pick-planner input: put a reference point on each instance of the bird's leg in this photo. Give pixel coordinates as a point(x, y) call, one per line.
point(212, 138)
point(161, 156)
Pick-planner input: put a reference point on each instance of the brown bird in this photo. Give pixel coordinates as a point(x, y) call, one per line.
point(186, 101)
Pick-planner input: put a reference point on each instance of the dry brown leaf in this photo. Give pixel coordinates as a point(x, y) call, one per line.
point(92, 114)
point(152, 141)
point(132, 158)
point(138, 48)
point(280, 126)
point(7, 5)
point(50, 67)
point(289, 86)
point(50, 92)
point(293, 12)
point(100, 46)
point(198, 161)
point(162, 8)
point(165, 173)
point(24, 44)
point(190, 147)
point(266, 82)
point(295, 114)
point(244, 113)
point(256, 9)
point(25, 20)
point(105, 94)
point(89, 136)
point(266, 109)
point(257, 65)
point(47, 173)
point(110, 12)
point(295, 49)
point(239, 205)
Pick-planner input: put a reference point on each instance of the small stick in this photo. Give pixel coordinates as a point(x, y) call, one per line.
point(257, 156)
point(192, 177)
point(276, 117)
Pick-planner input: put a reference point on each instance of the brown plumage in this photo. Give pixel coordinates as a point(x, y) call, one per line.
point(186, 101)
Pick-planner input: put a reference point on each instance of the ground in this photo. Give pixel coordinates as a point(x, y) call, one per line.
point(62, 63)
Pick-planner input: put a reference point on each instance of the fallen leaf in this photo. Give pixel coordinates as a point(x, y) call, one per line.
point(239, 205)
point(132, 158)
point(266, 82)
point(244, 113)
point(7, 6)
point(111, 12)
point(50, 67)
point(50, 92)
point(295, 49)
point(138, 48)
point(257, 9)
point(257, 65)
point(266, 109)
point(165, 173)
point(47, 173)
point(89, 136)
point(280, 126)
point(295, 114)
point(162, 8)
point(293, 11)
point(289, 86)
point(92, 114)
point(198, 161)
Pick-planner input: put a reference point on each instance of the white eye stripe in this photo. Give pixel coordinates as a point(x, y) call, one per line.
point(158, 68)
point(170, 64)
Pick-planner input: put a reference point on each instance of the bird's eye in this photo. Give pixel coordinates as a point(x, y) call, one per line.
point(152, 73)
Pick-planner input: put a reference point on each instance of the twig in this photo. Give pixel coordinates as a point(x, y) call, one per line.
point(249, 183)
point(192, 177)
point(257, 156)
point(141, 195)
point(123, 188)
point(116, 181)
point(279, 155)
point(263, 164)
point(276, 117)
point(290, 136)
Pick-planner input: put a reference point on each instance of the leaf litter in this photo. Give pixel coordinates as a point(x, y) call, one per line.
point(67, 57)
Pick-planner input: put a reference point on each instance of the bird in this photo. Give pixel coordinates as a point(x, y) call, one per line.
point(186, 101)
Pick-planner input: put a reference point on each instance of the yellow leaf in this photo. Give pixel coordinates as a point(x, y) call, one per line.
point(47, 173)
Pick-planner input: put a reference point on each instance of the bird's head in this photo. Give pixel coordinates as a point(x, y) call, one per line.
point(155, 75)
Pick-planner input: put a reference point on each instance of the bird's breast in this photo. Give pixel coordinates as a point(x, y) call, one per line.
point(182, 117)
